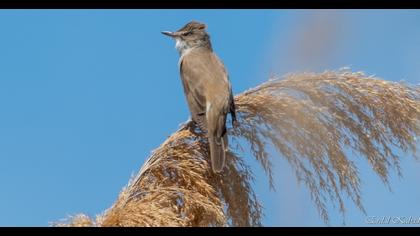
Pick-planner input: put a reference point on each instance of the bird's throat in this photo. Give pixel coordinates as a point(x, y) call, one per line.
point(182, 47)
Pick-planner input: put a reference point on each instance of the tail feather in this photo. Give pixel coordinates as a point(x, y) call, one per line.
point(218, 147)
point(217, 136)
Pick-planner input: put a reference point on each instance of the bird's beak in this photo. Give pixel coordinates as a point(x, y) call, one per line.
point(169, 33)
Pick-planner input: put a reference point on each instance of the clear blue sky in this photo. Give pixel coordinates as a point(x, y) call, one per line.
point(85, 95)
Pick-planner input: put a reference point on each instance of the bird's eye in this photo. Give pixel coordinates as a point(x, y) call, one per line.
point(186, 33)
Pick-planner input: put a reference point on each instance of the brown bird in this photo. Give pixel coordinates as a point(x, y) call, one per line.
point(206, 87)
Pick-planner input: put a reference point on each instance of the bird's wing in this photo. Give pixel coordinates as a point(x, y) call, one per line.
point(225, 76)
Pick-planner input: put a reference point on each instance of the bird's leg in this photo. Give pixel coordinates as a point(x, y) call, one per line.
point(189, 125)
point(192, 126)
point(186, 125)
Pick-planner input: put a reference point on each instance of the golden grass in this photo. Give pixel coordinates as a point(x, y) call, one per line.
point(312, 120)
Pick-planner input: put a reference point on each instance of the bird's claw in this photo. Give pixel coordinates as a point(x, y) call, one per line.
point(188, 125)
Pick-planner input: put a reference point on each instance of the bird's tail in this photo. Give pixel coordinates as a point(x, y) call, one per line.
point(218, 148)
point(217, 136)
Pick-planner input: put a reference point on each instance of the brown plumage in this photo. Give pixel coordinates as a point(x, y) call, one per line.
point(206, 87)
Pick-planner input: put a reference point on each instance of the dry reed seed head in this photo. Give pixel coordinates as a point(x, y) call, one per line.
point(311, 120)
point(79, 220)
point(323, 115)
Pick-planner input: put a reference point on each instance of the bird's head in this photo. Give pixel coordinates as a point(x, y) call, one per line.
point(190, 36)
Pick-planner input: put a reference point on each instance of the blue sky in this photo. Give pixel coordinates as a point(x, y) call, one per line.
point(85, 95)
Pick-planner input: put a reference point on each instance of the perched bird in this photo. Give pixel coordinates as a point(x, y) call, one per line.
point(206, 87)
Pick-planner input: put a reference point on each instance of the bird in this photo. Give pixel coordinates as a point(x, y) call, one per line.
point(207, 88)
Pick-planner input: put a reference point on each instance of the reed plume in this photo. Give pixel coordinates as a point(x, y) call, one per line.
point(320, 123)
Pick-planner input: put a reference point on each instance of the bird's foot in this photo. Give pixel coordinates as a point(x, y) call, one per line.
point(188, 125)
